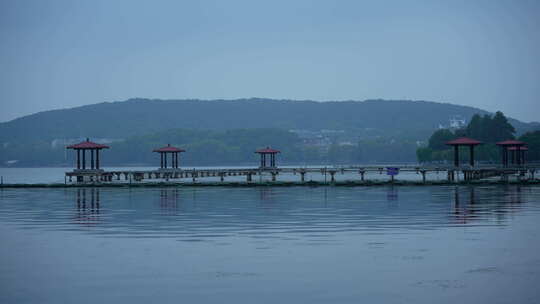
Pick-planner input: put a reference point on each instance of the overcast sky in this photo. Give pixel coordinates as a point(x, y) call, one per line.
point(58, 54)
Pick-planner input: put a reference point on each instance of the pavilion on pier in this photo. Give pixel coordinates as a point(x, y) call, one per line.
point(518, 153)
point(81, 149)
point(511, 144)
point(464, 141)
point(173, 151)
point(272, 156)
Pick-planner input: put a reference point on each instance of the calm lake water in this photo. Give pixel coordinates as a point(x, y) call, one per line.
point(430, 244)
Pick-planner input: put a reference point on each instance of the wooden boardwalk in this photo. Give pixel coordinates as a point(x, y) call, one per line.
point(329, 173)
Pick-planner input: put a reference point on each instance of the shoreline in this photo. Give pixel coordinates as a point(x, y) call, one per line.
point(272, 184)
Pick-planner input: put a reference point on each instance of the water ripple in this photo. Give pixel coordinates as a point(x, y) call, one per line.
point(313, 215)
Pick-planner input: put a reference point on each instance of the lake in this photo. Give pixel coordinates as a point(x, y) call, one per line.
point(430, 244)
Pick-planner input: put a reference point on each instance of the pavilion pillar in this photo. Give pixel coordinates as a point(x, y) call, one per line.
point(165, 163)
point(161, 164)
point(84, 159)
point(518, 155)
point(78, 159)
point(97, 159)
point(472, 155)
point(176, 160)
point(456, 155)
point(91, 158)
point(523, 157)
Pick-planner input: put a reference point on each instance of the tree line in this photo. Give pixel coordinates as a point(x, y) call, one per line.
point(214, 148)
point(489, 129)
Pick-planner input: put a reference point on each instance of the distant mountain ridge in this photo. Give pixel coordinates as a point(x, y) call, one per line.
point(414, 120)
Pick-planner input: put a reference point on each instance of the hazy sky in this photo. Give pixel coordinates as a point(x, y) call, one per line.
point(57, 54)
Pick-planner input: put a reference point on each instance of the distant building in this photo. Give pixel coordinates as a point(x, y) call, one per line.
point(454, 123)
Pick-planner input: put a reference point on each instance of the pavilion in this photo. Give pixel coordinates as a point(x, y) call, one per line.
point(267, 151)
point(94, 148)
point(463, 141)
point(518, 153)
point(164, 151)
point(506, 145)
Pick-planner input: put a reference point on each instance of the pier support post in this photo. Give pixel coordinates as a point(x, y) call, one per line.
point(221, 176)
point(451, 176)
point(302, 176)
point(248, 177)
point(423, 175)
point(362, 172)
point(332, 176)
point(274, 176)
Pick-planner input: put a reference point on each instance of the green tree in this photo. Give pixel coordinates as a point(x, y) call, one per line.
point(475, 127)
point(500, 128)
point(533, 143)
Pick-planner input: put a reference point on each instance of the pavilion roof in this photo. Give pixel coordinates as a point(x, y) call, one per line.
point(87, 144)
point(521, 148)
point(511, 142)
point(465, 141)
point(169, 148)
point(267, 150)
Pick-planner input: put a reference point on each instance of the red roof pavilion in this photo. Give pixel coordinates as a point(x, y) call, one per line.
point(267, 150)
point(464, 141)
point(511, 142)
point(87, 145)
point(271, 152)
point(169, 148)
point(164, 151)
point(508, 145)
point(522, 148)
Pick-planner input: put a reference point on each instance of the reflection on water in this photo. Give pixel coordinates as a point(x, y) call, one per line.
point(387, 244)
point(87, 211)
point(472, 204)
point(207, 214)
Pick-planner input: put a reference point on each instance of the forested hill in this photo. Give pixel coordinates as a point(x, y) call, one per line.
point(407, 119)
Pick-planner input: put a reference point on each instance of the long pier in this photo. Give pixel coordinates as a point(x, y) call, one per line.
point(357, 173)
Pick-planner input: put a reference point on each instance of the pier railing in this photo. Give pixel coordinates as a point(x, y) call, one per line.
point(462, 173)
